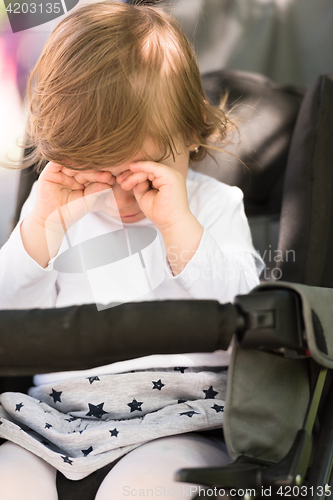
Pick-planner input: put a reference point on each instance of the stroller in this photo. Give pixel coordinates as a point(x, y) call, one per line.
point(277, 418)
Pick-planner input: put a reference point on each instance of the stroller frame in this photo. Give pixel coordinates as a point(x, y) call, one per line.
point(306, 470)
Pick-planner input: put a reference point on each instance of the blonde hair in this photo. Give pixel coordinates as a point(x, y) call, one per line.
point(110, 76)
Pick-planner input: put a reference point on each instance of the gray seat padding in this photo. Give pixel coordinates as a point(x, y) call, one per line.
point(306, 236)
point(265, 114)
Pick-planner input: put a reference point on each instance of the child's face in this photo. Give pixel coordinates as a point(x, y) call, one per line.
point(127, 205)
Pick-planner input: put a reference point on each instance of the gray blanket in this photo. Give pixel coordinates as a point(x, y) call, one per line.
point(83, 424)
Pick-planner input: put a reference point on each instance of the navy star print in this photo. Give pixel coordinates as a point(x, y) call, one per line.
point(96, 411)
point(94, 419)
point(135, 405)
point(210, 393)
point(158, 385)
point(217, 408)
point(86, 452)
point(92, 379)
point(189, 413)
point(180, 369)
point(56, 396)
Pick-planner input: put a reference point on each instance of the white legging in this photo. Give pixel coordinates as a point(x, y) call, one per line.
point(147, 471)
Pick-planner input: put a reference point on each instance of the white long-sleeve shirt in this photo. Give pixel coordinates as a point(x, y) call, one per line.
point(224, 265)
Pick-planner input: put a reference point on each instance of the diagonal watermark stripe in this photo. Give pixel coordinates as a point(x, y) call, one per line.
point(121, 265)
point(26, 14)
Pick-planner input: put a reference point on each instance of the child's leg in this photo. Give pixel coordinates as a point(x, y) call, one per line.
point(151, 467)
point(24, 476)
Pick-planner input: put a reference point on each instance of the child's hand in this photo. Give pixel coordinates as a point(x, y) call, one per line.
point(160, 192)
point(72, 191)
point(63, 197)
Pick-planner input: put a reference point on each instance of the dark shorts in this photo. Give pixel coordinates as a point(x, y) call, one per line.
point(87, 487)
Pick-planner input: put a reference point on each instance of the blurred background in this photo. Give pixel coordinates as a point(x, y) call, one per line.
point(290, 41)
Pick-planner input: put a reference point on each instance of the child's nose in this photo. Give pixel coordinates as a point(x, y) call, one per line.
point(123, 198)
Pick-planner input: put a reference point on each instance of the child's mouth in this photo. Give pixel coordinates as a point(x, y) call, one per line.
point(133, 215)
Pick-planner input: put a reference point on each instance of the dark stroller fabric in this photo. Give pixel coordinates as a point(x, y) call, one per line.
point(305, 257)
point(267, 399)
point(317, 317)
point(306, 236)
point(265, 114)
point(81, 337)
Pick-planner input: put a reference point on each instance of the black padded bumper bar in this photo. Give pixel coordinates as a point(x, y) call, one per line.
point(75, 338)
point(81, 337)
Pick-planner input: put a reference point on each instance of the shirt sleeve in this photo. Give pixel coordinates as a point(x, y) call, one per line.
point(24, 284)
point(225, 263)
point(215, 274)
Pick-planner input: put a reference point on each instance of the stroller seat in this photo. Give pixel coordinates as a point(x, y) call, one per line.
point(287, 172)
point(304, 398)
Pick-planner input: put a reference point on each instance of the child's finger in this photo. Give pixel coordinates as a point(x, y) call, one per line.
point(123, 176)
point(150, 167)
point(68, 171)
point(52, 167)
point(141, 188)
point(93, 176)
point(61, 179)
point(96, 188)
point(93, 191)
point(74, 179)
point(111, 182)
point(159, 174)
point(68, 182)
point(133, 180)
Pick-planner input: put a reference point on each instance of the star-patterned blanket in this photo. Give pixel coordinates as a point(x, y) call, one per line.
point(82, 424)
